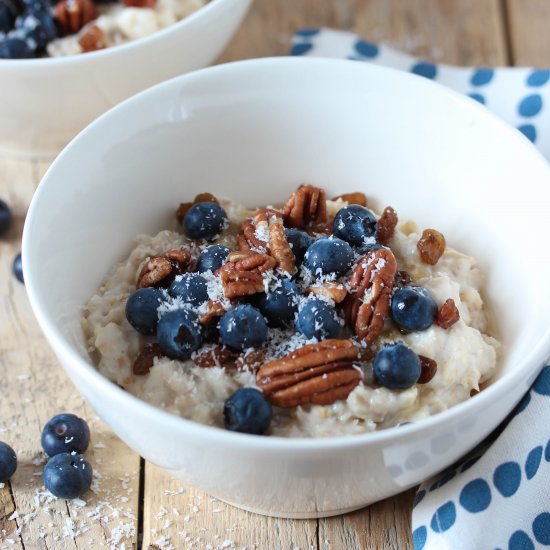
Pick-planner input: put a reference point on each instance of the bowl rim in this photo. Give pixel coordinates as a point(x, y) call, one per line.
point(64, 60)
point(530, 365)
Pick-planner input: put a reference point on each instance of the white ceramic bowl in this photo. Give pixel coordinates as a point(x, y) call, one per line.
point(45, 102)
point(253, 131)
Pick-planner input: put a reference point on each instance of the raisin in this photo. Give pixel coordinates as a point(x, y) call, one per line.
point(447, 314)
point(402, 278)
point(429, 368)
point(91, 39)
point(431, 246)
point(144, 361)
point(386, 225)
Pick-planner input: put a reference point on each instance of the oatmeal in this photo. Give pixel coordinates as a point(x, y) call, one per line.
point(333, 319)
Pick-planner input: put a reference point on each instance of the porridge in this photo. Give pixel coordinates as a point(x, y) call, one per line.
point(319, 318)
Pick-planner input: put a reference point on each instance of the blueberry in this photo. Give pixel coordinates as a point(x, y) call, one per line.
point(17, 268)
point(179, 333)
point(37, 4)
point(67, 475)
point(65, 433)
point(8, 13)
point(8, 462)
point(317, 319)
point(243, 327)
point(212, 258)
point(191, 288)
point(396, 366)
point(354, 224)
point(329, 256)
point(141, 309)
point(247, 411)
point(38, 25)
point(413, 308)
point(299, 241)
point(281, 304)
point(5, 215)
point(15, 47)
point(204, 220)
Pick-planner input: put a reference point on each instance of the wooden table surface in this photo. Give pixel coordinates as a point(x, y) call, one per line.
point(132, 504)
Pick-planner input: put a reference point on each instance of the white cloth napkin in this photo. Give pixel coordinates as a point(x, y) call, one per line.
point(498, 496)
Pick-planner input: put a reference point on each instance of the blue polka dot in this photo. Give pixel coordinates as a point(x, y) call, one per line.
point(541, 528)
point(520, 541)
point(530, 105)
point(444, 517)
point(542, 383)
point(529, 131)
point(419, 537)
point(301, 49)
point(522, 405)
point(307, 32)
point(507, 478)
point(533, 462)
point(538, 77)
point(443, 480)
point(478, 97)
point(475, 496)
point(469, 463)
point(429, 70)
point(547, 452)
point(366, 48)
point(418, 498)
point(416, 460)
point(482, 77)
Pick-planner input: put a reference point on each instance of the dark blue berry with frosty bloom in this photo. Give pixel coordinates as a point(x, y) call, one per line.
point(17, 268)
point(141, 309)
point(8, 13)
point(15, 46)
point(8, 462)
point(396, 366)
point(318, 319)
point(355, 224)
point(329, 256)
point(212, 258)
point(299, 242)
point(191, 288)
point(247, 411)
point(65, 433)
point(179, 333)
point(67, 475)
point(5, 216)
point(204, 220)
point(38, 25)
point(281, 304)
point(243, 327)
point(413, 308)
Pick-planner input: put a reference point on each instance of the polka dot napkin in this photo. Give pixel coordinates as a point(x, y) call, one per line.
point(518, 95)
point(498, 496)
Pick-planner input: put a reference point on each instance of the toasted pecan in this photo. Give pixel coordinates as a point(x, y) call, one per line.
point(72, 15)
point(307, 206)
point(353, 198)
point(160, 271)
point(329, 289)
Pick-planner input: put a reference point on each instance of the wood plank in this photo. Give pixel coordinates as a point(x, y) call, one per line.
point(34, 388)
point(179, 516)
point(528, 26)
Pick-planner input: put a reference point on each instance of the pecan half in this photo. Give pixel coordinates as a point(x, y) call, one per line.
point(386, 225)
point(429, 368)
point(447, 314)
point(72, 15)
point(307, 206)
point(371, 284)
point(280, 248)
point(213, 310)
point(146, 358)
point(316, 373)
point(160, 271)
point(431, 246)
point(219, 356)
point(329, 289)
point(184, 207)
point(140, 3)
point(353, 198)
point(91, 39)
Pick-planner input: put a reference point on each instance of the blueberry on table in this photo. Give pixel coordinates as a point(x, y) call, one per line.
point(191, 288)
point(212, 258)
point(355, 224)
point(413, 308)
point(247, 411)
point(5, 215)
point(281, 304)
point(8, 462)
point(299, 242)
point(15, 47)
point(317, 319)
point(67, 475)
point(65, 433)
point(8, 13)
point(179, 333)
point(204, 220)
point(243, 327)
point(141, 309)
point(328, 256)
point(38, 25)
point(17, 268)
point(396, 366)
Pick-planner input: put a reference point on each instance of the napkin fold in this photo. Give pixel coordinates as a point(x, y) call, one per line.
point(497, 497)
